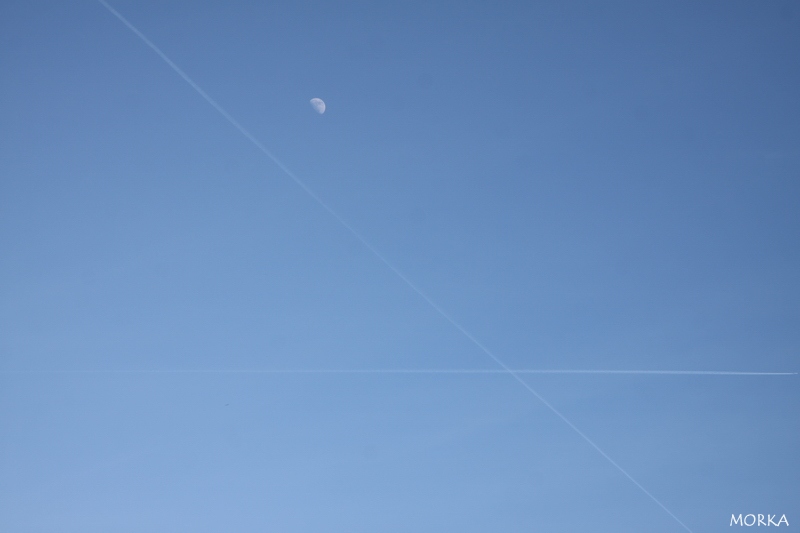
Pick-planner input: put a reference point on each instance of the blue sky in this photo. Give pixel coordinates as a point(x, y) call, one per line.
point(580, 185)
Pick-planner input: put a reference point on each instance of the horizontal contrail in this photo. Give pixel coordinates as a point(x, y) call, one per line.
point(440, 371)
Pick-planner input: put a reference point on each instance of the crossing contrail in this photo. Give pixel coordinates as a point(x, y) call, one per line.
point(506, 369)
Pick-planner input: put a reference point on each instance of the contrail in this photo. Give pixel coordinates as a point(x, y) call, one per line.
point(372, 249)
point(407, 371)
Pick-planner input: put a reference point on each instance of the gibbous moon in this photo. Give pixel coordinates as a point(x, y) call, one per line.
point(318, 105)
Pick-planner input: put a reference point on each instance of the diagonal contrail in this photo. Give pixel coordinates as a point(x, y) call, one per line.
point(372, 249)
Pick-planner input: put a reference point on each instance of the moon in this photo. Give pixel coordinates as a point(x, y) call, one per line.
point(318, 105)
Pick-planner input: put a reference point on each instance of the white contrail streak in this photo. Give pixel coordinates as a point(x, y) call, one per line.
point(371, 248)
point(407, 371)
